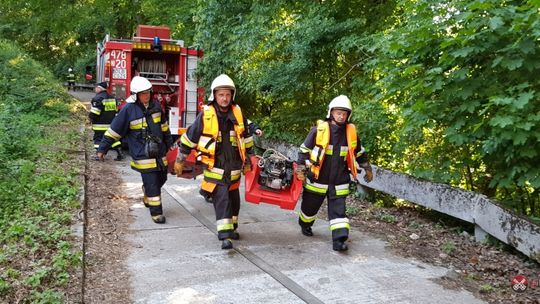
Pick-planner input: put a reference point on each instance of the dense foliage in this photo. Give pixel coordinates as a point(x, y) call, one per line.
point(445, 91)
point(38, 194)
point(461, 77)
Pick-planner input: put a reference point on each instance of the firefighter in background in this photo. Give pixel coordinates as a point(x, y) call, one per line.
point(254, 129)
point(329, 155)
point(71, 79)
point(142, 124)
point(102, 112)
point(220, 136)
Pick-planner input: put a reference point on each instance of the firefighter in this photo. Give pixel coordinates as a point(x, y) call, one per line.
point(253, 129)
point(327, 158)
point(102, 112)
point(220, 136)
point(142, 124)
point(71, 79)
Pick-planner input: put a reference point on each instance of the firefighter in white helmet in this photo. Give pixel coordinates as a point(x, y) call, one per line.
point(328, 158)
point(220, 136)
point(71, 79)
point(143, 126)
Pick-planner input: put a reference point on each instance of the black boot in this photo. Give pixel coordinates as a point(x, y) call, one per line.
point(307, 231)
point(119, 154)
point(226, 244)
point(207, 196)
point(145, 198)
point(236, 235)
point(158, 219)
point(339, 246)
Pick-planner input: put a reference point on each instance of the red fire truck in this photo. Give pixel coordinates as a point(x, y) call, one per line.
point(170, 67)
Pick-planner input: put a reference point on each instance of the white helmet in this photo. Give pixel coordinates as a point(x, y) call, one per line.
point(341, 102)
point(70, 69)
point(139, 84)
point(222, 82)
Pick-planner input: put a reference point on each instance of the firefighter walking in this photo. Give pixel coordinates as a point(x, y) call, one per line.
point(71, 79)
point(328, 158)
point(102, 112)
point(219, 134)
point(147, 133)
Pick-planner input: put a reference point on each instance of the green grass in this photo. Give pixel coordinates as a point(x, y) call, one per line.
point(38, 124)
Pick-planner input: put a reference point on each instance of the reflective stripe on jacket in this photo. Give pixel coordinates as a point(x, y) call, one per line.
point(211, 135)
point(131, 124)
point(222, 142)
point(322, 148)
point(103, 109)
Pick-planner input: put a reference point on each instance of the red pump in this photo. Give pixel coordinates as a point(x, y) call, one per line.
point(255, 193)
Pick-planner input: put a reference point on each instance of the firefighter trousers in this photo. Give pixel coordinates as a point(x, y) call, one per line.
point(152, 183)
point(311, 203)
point(227, 207)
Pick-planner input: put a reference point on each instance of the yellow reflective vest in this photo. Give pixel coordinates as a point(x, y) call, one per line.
point(322, 140)
point(209, 137)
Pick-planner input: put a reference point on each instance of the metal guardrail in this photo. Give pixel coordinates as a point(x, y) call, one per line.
point(82, 86)
point(487, 215)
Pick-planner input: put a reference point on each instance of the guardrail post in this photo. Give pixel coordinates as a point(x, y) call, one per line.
point(480, 234)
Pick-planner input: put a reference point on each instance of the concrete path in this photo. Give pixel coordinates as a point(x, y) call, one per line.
point(181, 261)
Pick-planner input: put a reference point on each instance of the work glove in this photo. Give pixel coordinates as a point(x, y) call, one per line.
point(247, 165)
point(368, 177)
point(300, 172)
point(179, 164)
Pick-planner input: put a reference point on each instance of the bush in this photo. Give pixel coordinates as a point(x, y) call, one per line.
point(37, 123)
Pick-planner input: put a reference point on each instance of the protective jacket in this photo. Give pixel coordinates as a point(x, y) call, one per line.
point(134, 123)
point(332, 152)
point(102, 112)
point(71, 77)
point(222, 142)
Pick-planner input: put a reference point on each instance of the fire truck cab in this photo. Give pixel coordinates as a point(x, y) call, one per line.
point(165, 62)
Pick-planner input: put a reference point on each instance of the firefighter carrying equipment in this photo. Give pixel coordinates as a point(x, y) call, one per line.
point(341, 102)
point(276, 170)
point(222, 82)
point(223, 142)
point(211, 136)
point(321, 148)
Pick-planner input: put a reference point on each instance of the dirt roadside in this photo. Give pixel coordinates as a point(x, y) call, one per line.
point(106, 208)
point(106, 249)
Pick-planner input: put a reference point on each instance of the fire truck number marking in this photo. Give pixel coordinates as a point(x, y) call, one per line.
point(118, 63)
point(118, 54)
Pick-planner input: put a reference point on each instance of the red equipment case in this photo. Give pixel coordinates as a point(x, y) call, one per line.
point(255, 193)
